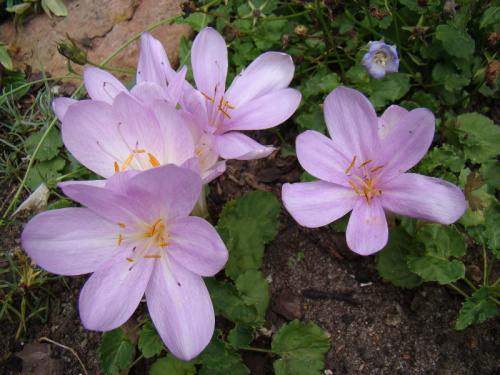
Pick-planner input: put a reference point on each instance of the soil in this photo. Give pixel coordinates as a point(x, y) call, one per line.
point(374, 327)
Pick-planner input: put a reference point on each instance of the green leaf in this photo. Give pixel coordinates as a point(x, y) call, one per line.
point(115, 352)
point(197, 20)
point(172, 366)
point(254, 289)
point(50, 146)
point(150, 342)
point(11, 81)
point(313, 119)
point(440, 243)
point(490, 16)
point(446, 156)
point(44, 172)
point(491, 174)
point(455, 82)
point(5, 59)
point(241, 336)
point(393, 87)
point(302, 347)
point(224, 296)
point(476, 309)
point(491, 222)
point(55, 6)
point(479, 136)
point(392, 260)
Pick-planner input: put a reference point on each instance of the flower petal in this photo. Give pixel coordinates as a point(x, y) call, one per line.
point(166, 191)
point(352, 123)
point(263, 112)
point(317, 203)
point(90, 133)
point(271, 71)
point(318, 155)
point(389, 119)
point(101, 85)
point(112, 293)
point(145, 92)
point(70, 241)
point(238, 146)
point(209, 61)
point(153, 62)
point(424, 198)
point(406, 144)
point(61, 105)
point(195, 245)
point(181, 309)
point(367, 231)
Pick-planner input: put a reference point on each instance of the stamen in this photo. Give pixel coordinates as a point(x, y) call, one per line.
point(154, 162)
point(120, 238)
point(121, 224)
point(164, 244)
point(352, 164)
point(154, 227)
point(152, 256)
point(127, 162)
point(208, 97)
point(130, 260)
point(367, 197)
point(376, 168)
point(220, 108)
point(228, 106)
point(139, 151)
point(355, 187)
point(117, 169)
point(366, 162)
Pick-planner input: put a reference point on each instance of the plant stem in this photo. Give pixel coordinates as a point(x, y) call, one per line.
point(469, 283)
point(456, 288)
point(132, 364)
point(112, 69)
point(328, 35)
point(258, 349)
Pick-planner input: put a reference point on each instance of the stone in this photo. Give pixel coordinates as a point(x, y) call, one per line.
point(99, 28)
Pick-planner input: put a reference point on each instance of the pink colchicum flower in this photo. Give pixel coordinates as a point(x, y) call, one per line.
point(258, 98)
point(137, 237)
point(361, 168)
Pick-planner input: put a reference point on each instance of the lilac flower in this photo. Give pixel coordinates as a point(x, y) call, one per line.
point(361, 171)
point(137, 237)
point(381, 59)
point(258, 98)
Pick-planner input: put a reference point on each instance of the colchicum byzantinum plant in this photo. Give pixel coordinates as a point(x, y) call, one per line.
point(362, 169)
point(137, 237)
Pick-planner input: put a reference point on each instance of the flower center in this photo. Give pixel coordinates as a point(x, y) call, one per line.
point(219, 109)
point(362, 179)
point(381, 58)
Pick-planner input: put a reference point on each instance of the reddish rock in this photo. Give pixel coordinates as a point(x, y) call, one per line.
point(99, 27)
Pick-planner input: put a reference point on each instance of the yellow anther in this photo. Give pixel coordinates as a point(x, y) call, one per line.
point(228, 106)
point(121, 224)
point(366, 162)
point(117, 169)
point(352, 164)
point(152, 256)
point(120, 238)
point(127, 162)
point(222, 110)
point(154, 227)
point(139, 151)
point(367, 197)
point(154, 162)
point(355, 188)
point(376, 168)
point(206, 96)
point(130, 260)
point(164, 244)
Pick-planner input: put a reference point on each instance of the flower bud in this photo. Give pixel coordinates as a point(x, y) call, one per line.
point(72, 52)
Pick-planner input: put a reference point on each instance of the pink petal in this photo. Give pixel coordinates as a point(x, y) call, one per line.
point(112, 293)
point(195, 245)
point(209, 61)
point(153, 62)
point(405, 144)
point(98, 183)
point(90, 133)
point(367, 231)
point(317, 203)
point(70, 241)
point(101, 85)
point(238, 146)
point(176, 86)
point(424, 198)
point(319, 156)
point(389, 119)
point(181, 309)
point(213, 172)
point(145, 92)
point(61, 105)
point(167, 191)
point(352, 123)
point(271, 71)
point(264, 112)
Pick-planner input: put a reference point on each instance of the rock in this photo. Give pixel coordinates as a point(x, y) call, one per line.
point(37, 361)
point(99, 28)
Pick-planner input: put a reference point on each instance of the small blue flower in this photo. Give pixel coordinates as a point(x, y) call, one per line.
point(382, 59)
